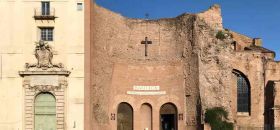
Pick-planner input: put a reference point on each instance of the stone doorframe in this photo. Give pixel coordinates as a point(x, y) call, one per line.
point(36, 82)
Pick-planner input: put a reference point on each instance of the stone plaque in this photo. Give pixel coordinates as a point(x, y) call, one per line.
point(146, 88)
point(146, 92)
point(44, 80)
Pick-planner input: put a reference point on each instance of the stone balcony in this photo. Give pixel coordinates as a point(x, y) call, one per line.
point(49, 14)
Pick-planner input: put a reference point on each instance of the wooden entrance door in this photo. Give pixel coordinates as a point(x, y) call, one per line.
point(45, 112)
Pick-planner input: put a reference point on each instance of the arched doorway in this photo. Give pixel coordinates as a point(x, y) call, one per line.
point(125, 117)
point(45, 112)
point(168, 117)
point(146, 117)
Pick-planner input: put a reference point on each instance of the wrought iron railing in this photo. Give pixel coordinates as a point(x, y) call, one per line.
point(40, 13)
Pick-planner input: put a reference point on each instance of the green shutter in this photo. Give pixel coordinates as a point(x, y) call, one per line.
point(45, 112)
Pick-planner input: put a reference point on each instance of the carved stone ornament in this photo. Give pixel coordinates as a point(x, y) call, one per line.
point(44, 55)
point(63, 83)
point(45, 88)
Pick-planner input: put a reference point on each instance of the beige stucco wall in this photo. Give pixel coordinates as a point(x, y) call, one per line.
point(19, 32)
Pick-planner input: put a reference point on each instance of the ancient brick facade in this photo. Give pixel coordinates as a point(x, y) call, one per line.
point(186, 60)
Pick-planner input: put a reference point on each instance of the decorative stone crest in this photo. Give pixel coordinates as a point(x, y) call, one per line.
point(44, 55)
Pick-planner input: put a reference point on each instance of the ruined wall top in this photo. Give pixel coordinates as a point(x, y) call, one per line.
point(211, 16)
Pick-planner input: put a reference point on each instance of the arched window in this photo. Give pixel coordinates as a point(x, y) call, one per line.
point(243, 92)
point(125, 117)
point(45, 112)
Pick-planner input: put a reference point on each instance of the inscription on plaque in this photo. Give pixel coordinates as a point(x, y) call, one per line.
point(146, 90)
point(44, 80)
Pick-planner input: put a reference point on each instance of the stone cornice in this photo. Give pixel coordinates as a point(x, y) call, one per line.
point(27, 73)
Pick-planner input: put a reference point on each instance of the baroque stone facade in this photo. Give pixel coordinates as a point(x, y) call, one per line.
point(60, 23)
point(196, 63)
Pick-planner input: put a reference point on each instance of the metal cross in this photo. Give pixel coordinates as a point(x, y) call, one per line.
point(147, 16)
point(146, 42)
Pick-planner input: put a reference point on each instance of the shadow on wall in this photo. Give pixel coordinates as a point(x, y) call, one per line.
point(269, 104)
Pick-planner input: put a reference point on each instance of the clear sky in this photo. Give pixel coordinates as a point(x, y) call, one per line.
point(254, 18)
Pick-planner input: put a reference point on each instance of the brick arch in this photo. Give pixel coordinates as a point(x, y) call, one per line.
point(143, 101)
point(123, 98)
point(166, 109)
point(125, 103)
point(169, 99)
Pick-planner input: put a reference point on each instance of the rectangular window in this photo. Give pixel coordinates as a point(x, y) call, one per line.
point(46, 34)
point(79, 6)
point(45, 8)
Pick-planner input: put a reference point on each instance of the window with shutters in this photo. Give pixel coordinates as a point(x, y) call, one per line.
point(46, 33)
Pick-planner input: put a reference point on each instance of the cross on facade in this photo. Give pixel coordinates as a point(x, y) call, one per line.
point(146, 42)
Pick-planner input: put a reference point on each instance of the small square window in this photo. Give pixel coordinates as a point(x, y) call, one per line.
point(46, 34)
point(79, 6)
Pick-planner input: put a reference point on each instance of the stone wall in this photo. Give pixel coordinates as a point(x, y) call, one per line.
point(251, 65)
point(188, 40)
point(242, 41)
point(119, 43)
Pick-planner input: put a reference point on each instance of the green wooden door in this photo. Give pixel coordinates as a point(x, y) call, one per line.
point(45, 112)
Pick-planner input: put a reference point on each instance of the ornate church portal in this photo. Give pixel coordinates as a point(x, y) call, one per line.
point(45, 85)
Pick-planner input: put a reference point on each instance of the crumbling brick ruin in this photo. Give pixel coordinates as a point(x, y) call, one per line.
point(192, 64)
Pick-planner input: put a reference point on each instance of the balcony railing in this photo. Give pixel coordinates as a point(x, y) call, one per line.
point(48, 14)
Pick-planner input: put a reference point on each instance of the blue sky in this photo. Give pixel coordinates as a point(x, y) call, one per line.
point(254, 18)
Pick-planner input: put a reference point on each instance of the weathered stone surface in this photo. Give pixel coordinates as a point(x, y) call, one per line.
point(186, 60)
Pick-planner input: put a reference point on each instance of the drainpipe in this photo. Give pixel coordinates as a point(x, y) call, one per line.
point(0, 66)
